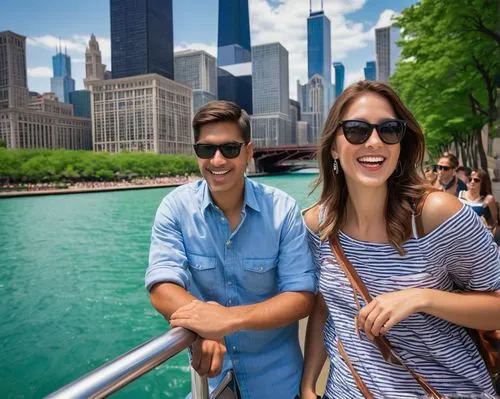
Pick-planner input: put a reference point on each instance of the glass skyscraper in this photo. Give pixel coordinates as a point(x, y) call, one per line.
point(370, 70)
point(339, 78)
point(388, 52)
point(234, 54)
point(141, 38)
point(62, 84)
point(233, 42)
point(319, 50)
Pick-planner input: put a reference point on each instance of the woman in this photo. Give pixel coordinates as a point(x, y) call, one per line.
point(368, 155)
point(479, 197)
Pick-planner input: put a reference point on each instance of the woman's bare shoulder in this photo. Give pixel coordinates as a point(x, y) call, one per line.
point(311, 218)
point(439, 207)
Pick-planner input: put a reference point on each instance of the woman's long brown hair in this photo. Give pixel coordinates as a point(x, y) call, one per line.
point(405, 186)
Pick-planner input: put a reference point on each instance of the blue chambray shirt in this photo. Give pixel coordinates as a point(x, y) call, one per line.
point(192, 246)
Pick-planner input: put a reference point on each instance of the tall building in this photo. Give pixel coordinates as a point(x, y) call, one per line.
point(197, 69)
point(80, 99)
point(13, 78)
point(339, 78)
point(294, 118)
point(141, 38)
point(234, 54)
point(313, 105)
point(62, 84)
point(370, 70)
point(387, 51)
point(141, 113)
point(94, 68)
point(319, 49)
point(270, 98)
point(28, 120)
point(233, 41)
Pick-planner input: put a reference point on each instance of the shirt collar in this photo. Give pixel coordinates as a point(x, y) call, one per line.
point(249, 199)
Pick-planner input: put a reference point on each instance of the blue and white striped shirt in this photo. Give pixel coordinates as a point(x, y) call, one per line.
point(460, 253)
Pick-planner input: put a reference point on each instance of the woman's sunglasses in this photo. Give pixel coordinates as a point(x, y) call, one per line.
point(476, 180)
point(228, 150)
point(358, 132)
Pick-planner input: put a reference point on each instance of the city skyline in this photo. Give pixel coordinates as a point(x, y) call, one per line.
point(353, 24)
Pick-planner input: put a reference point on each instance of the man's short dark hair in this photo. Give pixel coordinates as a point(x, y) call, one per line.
point(465, 169)
point(222, 111)
point(450, 157)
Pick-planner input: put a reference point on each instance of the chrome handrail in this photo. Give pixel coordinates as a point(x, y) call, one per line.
point(117, 373)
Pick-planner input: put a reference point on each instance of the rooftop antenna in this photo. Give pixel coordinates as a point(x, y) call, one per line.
point(321, 5)
point(310, 7)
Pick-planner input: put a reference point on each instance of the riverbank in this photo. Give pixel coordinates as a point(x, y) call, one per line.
point(92, 187)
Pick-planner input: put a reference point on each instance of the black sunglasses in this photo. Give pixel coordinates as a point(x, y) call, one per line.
point(228, 150)
point(476, 180)
point(443, 167)
point(358, 132)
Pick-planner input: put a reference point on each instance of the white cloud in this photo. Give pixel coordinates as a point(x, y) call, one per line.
point(209, 48)
point(354, 76)
point(40, 72)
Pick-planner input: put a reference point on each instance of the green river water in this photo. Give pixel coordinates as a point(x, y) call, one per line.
point(72, 291)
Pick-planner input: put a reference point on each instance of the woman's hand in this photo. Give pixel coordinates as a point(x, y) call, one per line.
point(308, 394)
point(387, 310)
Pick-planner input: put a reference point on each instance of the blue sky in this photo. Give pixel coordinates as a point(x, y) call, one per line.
point(43, 22)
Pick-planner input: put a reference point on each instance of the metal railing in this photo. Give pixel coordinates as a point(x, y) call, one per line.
point(117, 373)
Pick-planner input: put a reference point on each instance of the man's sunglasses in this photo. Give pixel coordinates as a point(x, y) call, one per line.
point(443, 167)
point(228, 150)
point(358, 132)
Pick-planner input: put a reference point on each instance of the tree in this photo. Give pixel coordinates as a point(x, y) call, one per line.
point(448, 69)
point(3, 143)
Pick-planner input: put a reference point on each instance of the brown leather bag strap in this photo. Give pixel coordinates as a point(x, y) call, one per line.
point(357, 379)
point(382, 342)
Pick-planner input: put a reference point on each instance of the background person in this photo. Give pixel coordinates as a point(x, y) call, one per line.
point(446, 175)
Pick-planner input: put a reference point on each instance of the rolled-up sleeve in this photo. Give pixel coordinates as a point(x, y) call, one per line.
point(296, 268)
point(167, 255)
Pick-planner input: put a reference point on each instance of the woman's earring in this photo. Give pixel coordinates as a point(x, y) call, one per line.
point(335, 166)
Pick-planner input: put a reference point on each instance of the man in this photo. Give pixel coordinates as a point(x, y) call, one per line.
point(446, 175)
point(229, 260)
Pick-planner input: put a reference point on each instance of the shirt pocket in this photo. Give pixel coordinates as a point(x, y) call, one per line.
point(260, 275)
point(203, 272)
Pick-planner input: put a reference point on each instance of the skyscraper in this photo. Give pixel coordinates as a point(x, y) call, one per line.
point(13, 80)
point(339, 78)
point(142, 38)
point(388, 53)
point(234, 72)
point(94, 68)
point(270, 98)
point(233, 42)
point(62, 83)
point(370, 70)
point(319, 50)
point(197, 69)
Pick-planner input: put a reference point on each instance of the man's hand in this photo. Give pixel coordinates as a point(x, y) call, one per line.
point(209, 320)
point(207, 356)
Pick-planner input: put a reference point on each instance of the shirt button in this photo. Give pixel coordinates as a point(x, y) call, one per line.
point(260, 268)
point(230, 301)
point(222, 219)
point(229, 282)
point(235, 348)
point(236, 361)
point(228, 243)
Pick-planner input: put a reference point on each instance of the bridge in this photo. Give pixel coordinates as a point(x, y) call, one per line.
point(284, 158)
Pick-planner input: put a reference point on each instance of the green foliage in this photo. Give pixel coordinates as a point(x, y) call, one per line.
point(3, 143)
point(34, 166)
point(448, 67)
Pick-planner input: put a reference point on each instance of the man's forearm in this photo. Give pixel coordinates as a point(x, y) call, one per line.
point(276, 312)
point(166, 298)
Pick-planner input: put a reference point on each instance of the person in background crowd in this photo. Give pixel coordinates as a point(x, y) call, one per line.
point(479, 197)
point(430, 174)
point(463, 173)
point(446, 175)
